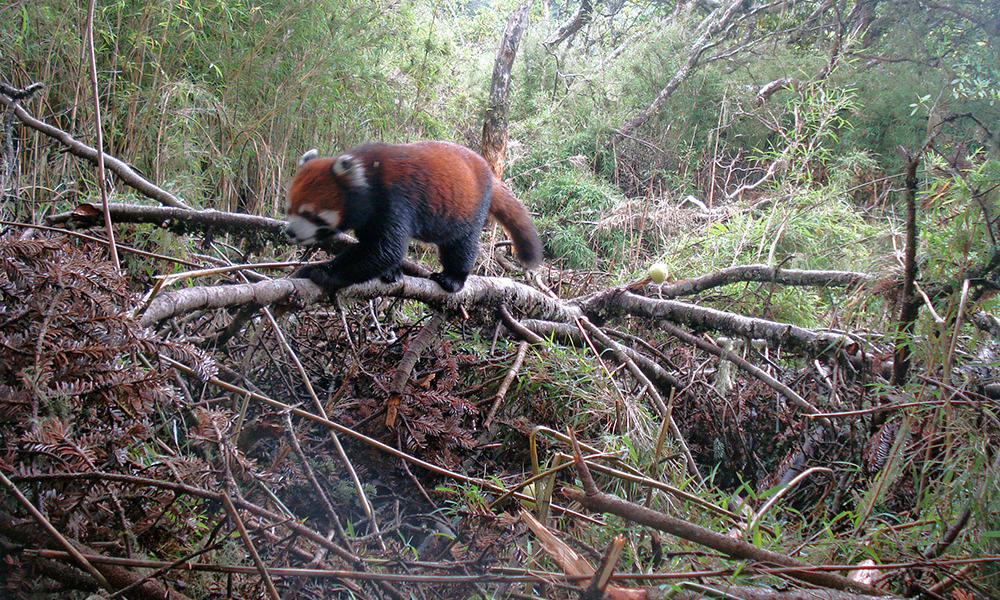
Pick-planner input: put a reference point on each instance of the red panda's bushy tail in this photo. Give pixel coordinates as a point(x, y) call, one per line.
point(516, 221)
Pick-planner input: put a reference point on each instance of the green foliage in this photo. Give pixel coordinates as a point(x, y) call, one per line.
point(805, 229)
point(572, 204)
point(955, 216)
point(881, 121)
point(209, 96)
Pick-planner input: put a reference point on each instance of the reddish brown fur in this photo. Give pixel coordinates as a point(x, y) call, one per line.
point(315, 184)
point(438, 163)
point(509, 211)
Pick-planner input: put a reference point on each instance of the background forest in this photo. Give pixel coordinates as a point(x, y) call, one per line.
point(815, 383)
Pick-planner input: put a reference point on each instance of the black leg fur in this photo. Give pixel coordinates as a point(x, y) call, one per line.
point(391, 276)
point(322, 275)
point(457, 260)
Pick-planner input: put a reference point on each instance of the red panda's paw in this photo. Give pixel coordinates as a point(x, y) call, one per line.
point(321, 275)
point(448, 283)
point(390, 276)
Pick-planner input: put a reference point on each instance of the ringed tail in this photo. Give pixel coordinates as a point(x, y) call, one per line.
point(516, 222)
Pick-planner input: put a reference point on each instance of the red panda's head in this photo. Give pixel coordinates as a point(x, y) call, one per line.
point(317, 197)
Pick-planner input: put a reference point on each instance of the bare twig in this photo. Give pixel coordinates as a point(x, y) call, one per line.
point(311, 476)
point(251, 548)
point(757, 372)
point(366, 504)
point(661, 406)
point(522, 350)
point(101, 183)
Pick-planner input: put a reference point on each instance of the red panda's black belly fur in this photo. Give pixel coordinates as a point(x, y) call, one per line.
point(436, 192)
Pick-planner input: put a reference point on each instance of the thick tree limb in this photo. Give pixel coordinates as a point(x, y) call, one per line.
point(492, 292)
point(768, 89)
point(78, 148)
point(485, 292)
point(208, 222)
point(478, 291)
point(619, 301)
point(179, 220)
point(763, 274)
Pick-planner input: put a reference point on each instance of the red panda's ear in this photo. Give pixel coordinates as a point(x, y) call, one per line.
point(308, 156)
point(350, 169)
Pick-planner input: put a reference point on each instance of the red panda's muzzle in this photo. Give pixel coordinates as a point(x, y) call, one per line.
point(309, 229)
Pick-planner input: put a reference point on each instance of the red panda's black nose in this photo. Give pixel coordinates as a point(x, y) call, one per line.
point(289, 232)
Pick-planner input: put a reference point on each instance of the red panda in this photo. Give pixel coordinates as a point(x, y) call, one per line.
point(437, 192)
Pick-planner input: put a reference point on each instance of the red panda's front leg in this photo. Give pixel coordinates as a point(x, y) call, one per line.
point(373, 256)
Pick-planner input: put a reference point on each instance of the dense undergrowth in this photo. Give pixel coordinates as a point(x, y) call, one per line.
point(213, 100)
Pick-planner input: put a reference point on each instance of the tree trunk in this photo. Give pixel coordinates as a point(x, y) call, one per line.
point(495, 123)
point(909, 302)
point(580, 18)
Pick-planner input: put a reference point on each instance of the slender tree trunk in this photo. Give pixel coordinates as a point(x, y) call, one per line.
point(495, 123)
point(909, 302)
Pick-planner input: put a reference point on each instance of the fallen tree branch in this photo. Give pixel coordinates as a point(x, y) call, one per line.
point(499, 291)
point(661, 406)
point(411, 355)
point(209, 222)
point(757, 372)
point(522, 350)
point(78, 148)
point(763, 274)
point(620, 301)
point(478, 291)
point(180, 220)
point(596, 500)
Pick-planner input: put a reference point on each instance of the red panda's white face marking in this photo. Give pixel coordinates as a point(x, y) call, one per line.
point(309, 226)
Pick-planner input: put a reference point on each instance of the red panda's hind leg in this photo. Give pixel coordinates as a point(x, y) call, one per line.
point(457, 259)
